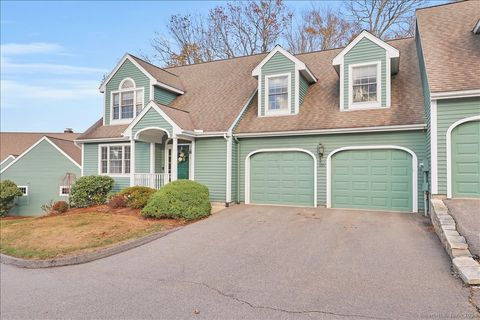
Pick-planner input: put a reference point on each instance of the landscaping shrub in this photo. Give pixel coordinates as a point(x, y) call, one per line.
point(90, 190)
point(179, 199)
point(136, 197)
point(117, 201)
point(60, 207)
point(8, 192)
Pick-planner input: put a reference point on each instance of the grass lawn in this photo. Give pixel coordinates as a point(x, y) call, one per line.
point(71, 233)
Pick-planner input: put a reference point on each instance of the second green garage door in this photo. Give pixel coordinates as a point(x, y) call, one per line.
point(372, 179)
point(283, 178)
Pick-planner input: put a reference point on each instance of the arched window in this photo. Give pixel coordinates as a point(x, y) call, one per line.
point(127, 102)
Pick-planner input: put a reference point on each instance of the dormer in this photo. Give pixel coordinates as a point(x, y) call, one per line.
point(365, 68)
point(131, 85)
point(283, 81)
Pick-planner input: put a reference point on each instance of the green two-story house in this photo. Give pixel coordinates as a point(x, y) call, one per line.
point(377, 125)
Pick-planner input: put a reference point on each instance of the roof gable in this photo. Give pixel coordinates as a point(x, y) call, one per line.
point(158, 77)
point(391, 51)
point(299, 65)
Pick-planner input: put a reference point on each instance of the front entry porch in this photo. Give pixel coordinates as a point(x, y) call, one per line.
point(152, 154)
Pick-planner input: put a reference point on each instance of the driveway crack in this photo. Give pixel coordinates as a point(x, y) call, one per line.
point(254, 306)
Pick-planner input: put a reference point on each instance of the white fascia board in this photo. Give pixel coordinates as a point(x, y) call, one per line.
point(44, 138)
point(299, 65)
point(239, 116)
point(167, 87)
point(11, 156)
point(391, 51)
point(150, 105)
point(455, 94)
point(410, 127)
point(81, 141)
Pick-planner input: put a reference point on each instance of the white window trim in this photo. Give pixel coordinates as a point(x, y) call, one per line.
point(375, 147)
point(26, 190)
point(449, 151)
point(119, 91)
point(108, 159)
point(370, 104)
point(288, 111)
point(63, 194)
point(247, 170)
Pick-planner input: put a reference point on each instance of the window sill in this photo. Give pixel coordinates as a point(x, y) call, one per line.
point(121, 121)
point(365, 106)
point(116, 175)
point(277, 114)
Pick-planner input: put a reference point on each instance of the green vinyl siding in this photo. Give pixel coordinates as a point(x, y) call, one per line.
point(365, 51)
point(126, 70)
point(152, 119)
point(163, 96)
point(159, 157)
point(6, 162)
point(426, 99)
point(414, 140)
point(211, 165)
point(278, 64)
point(90, 165)
point(466, 160)
point(448, 112)
point(142, 157)
point(43, 170)
point(378, 179)
point(303, 89)
point(284, 178)
point(234, 171)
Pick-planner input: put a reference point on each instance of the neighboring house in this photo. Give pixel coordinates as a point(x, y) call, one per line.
point(43, 165)
point(355, 127)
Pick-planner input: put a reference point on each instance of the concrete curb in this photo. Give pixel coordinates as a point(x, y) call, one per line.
point(86, 257)
point(455, 244)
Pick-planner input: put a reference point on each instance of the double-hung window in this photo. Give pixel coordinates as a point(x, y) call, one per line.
point(127, 102)
point(115, 159)
point(365, 85)
point(278, 95)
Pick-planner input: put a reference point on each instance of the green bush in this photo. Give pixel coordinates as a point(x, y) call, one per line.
point(179, 199)
point(136, 197)
point(90, 190)
point(8, 192)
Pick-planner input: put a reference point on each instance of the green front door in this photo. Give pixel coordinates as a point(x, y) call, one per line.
point(372, 179)
point(183, 167)
point(284, 178)
point(466, 160)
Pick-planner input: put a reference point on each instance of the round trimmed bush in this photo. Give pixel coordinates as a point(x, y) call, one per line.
point(60, 207)
point(8, 193)
point(136, 197)
point(91, 190)
point(181, 199)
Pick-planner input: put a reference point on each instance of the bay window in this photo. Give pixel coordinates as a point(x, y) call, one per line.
point(114, 159)
point(127, 102)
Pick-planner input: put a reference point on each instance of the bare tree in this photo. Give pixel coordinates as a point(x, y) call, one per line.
point(384, 18)
point(237, 28)
point(319, 29)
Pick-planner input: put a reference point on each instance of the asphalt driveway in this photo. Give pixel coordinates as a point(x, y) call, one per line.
point(257, 262)
point(466, 213)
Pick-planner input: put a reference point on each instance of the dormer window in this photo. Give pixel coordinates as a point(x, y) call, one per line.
point(127, 102)
point(365, 85)
point(278, 94)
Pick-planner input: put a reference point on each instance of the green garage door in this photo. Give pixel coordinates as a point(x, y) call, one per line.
point(466, 160)
point(284, 178)
point(372, 179)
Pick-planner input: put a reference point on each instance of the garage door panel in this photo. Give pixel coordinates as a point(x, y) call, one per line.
point(384, 181)
point(282, 178)
point(465, 148)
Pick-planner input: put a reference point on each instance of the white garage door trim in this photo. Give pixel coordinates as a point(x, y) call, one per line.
point(414, 168)
point(449, 150)
point(247, 170)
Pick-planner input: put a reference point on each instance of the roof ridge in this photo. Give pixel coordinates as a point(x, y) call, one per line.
point(55, 138)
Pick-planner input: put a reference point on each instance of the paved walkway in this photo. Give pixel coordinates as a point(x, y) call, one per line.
point(257, 262)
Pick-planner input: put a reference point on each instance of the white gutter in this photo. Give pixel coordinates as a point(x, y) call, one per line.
point(412, 127)
point(455, 94)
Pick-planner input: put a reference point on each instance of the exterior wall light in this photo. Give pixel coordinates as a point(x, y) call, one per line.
point(320, 150)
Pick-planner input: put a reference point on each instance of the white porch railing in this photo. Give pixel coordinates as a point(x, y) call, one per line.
point(151, 180)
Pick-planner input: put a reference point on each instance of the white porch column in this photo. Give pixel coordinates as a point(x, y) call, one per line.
point(174, 161)
point(152, 157)
point(132, 162)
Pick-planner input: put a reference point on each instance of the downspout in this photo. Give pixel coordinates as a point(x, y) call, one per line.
point(238, 169)
point(228, 191)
